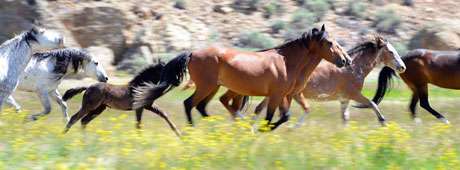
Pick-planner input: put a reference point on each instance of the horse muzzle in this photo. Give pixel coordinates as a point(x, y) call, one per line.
point(104, 79)
point(401, 69)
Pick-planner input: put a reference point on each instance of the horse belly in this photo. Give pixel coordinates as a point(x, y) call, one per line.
point(246, 79)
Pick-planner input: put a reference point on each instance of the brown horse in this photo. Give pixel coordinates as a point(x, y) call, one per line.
point(99, 96)
point(440, 68)
point(278, 72)
point(328, 82)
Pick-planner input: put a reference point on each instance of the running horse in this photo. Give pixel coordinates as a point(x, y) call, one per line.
point(17, 52)
point(99, 96)
point(278, 73)
point(440, 68)
point(328, 82)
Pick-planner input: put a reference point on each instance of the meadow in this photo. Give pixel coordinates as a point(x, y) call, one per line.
point(112, 142)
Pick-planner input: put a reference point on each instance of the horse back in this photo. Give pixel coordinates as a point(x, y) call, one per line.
point(441, 68)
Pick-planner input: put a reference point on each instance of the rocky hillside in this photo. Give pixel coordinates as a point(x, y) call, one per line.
point(130, 34)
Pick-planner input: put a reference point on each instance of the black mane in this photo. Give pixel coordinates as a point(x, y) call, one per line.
point(26, 37)
point(368, 45)
point(64, 57)
point(151, 74)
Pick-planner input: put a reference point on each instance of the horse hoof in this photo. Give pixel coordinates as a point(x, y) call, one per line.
point(444, 120)
point(383, 123)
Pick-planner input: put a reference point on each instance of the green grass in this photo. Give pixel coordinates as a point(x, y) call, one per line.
point(112, 142)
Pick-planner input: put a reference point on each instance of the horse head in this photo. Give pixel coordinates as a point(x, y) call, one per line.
point(328, 48)
point(46, 39)
point(388, 54)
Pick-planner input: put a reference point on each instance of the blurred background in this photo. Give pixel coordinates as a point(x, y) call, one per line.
point(128, 35)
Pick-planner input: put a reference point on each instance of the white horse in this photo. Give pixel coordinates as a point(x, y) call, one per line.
point(16, 53)
point(46, 71)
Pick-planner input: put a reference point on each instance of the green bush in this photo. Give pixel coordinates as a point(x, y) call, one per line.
point(180, 4)
point(356, 8)
point(302, 19)
point(387, 21)
point(277, 26)
point(273, 8)
point(402, 48)
point(255, 40)
point(317, 7)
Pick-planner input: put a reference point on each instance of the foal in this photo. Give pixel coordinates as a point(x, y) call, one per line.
point(99, 96)
point(328, 82)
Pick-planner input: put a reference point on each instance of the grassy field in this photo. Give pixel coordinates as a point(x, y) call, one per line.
point(112, 142)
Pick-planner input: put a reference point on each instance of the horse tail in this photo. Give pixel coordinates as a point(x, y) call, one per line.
point(384, 84)
point(171, 76)
point(72, 92)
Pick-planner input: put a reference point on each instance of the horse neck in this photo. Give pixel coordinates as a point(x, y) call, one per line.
point(299, 60)
point(18, 52)
point(365, 62)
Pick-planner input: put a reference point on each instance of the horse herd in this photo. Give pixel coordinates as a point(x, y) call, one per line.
point(292, 70)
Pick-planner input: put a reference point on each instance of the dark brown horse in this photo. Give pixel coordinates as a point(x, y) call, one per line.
point(440, 68)
point(278, 73)
point(99, 96)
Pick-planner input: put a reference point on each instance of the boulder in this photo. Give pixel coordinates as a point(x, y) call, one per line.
point(98, 26)
point(439, 36)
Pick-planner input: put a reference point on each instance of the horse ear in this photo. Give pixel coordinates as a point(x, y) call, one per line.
point(34, 30)
point(380, 42)
point(323, 28)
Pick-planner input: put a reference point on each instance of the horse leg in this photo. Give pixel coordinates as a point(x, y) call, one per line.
point(285, 113)
point(201, 92)
point(156, 109)
point(345, 111)
point(45, 100)
point(92, 99)
point(300, 99)
point(201, 107)
point(58, 98)
point(139, 118)
point(259, 108)
point(362, 99)
point(236, 103)
point(91, 115)
point(424, 103)
point(11, 101)
point(413, 107)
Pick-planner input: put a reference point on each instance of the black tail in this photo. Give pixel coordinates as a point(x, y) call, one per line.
point(72, 92)
point(384, 84)
point(171, 76)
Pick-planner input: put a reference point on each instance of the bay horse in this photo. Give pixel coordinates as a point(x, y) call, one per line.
point(277, 72)
point(16, 53)
point(101, 95)
point(46, 70)
point(327, 82)
point(440, 68)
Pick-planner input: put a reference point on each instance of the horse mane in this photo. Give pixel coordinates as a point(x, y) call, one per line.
point(150, 74)
point(303, 39)
point(371, 44)
point(64, 57)
point(16, 42)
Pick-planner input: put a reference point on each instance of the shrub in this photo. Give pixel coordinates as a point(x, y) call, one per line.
point(255, 40)
point(180, 4)
point(387, 21)
point(277, 26)
point(402, 48)
point(273, 8)
point(356, 8)
point(317, 7)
